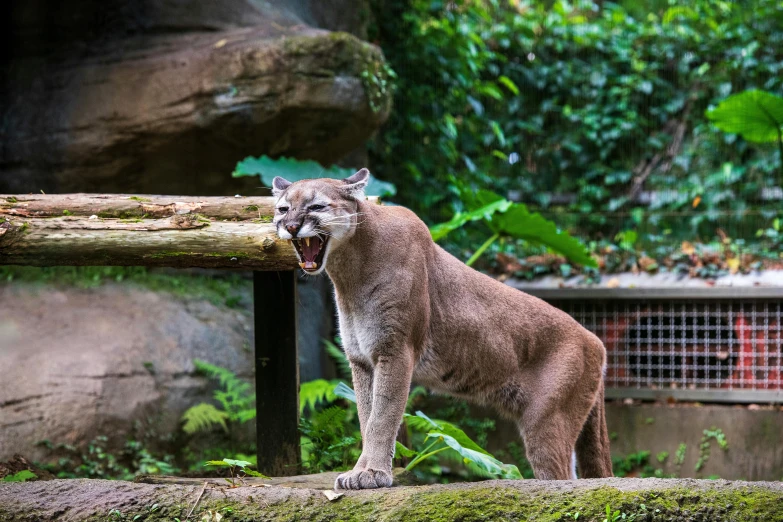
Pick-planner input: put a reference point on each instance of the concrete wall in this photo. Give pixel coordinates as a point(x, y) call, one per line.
point(755, 438)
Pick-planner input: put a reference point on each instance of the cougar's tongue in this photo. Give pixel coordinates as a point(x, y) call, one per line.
point(310, 248)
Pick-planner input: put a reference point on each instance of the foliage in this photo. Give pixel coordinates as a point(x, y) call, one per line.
point(236, 399)
point(595, 99)
point(296, 170)
point(96, 462)
point(507, 219)
point(755, 115)
point(203, 417)
point(704, 446)
point(237, 468)
point(224, 289)
point(315, 392)
point(444, 436)
point(329, 439)
point(21, 476)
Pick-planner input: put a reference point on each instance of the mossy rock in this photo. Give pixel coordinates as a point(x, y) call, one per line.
point(645, 499)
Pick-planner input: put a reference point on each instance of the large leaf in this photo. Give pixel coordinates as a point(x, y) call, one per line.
point(296, 170)
point(756, 115)
point(484, 461)
point(460, 218)
point(518, 222)
point(420, 422)
point(342, 390)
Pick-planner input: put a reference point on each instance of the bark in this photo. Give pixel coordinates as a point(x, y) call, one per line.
point(302, 498)
point(87, 229)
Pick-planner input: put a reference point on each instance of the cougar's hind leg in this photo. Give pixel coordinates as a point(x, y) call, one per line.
point(549, 445)
point(547, 433)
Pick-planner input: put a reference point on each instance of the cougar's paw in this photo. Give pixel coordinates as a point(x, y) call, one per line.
point(363, 479)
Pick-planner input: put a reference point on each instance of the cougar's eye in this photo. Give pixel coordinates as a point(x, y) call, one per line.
point(316, 208)
point(282, 209)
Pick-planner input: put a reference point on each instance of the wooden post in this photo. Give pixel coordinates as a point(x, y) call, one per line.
point(277, 373)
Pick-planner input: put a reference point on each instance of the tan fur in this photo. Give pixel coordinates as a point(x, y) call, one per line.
point(408, 310)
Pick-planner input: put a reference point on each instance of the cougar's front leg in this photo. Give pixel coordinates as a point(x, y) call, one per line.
point(390, 385)
point(362, 383)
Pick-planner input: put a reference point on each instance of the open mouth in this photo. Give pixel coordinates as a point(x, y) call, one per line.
point(311, 251)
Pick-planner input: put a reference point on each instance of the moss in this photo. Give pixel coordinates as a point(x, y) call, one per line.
point(140, 199)
point(251, 208)
point(11, 199)
point(263, 219)
point(67, 212)
point(122, 214)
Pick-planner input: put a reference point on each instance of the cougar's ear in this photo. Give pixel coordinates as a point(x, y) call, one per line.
point(279, 185)
point(355, 184)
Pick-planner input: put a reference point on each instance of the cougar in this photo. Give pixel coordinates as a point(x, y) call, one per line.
point(409, 311)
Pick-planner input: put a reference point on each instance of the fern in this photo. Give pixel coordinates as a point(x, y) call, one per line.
point(315, 392)
point(339, 358)
point(203, 417)
point(236, 397)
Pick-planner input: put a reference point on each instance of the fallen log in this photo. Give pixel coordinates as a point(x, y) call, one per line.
point(636, 499)
point(123, 230)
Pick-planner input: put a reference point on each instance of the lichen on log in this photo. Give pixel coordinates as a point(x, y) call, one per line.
point(647, 499)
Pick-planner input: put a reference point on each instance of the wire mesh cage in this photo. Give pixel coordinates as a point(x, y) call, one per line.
point(726, 349)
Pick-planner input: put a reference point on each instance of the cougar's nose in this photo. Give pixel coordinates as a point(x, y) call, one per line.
point(292, 229)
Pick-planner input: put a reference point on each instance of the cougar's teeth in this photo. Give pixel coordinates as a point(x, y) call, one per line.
point(302, 265)
point(307, 241)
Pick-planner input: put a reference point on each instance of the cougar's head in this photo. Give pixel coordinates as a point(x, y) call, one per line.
point(314, 214)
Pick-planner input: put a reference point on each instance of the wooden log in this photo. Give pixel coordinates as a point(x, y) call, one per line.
point(123, 230)
point(123, 206)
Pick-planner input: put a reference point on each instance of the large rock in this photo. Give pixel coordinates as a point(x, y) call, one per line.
point(551, 501)
point(165, 96)
point(114, 361)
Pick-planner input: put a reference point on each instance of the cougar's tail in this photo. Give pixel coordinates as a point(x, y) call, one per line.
point(592, 446)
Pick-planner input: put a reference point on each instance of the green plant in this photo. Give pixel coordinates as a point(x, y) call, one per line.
point(679, 455)
point(238, 469)
point(512, 220)
point(235, 397)
point(21, 476)
point(443, 436)
point(296, 170)
point(755, 115)
point(329, 439)
point(95, 461)
point(704, 446)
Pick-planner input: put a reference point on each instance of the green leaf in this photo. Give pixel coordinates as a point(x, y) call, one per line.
point(421, 422)
point(203, 417)
point(756, 115)
point(511, 86)
point(240, 463)
point(296, 170)
point(220, 463)
point(400, 450)
point(254, 473)
point(460, 218)
point(520, 223)
point(315, 392)
point(345, 392)
point(21, 476)
point(482, 460)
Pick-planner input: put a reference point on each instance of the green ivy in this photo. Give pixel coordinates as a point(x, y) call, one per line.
point(586, 98)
